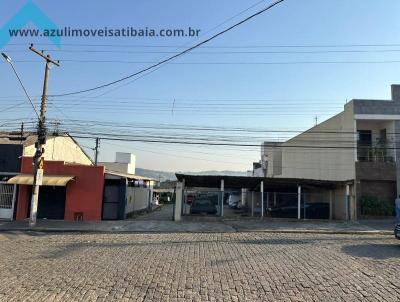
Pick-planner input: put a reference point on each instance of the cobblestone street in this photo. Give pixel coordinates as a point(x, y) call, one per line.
point(199, 267)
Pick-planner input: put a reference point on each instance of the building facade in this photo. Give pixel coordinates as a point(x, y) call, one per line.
point(15, 145)
point(360, 144)
point(125, 193)
point(69, 191)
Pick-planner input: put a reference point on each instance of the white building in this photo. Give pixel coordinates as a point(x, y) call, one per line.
point(124, 163)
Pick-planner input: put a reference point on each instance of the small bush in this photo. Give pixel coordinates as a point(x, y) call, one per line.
point(371, 205)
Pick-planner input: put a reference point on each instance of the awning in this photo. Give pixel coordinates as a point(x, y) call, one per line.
point(48, 180)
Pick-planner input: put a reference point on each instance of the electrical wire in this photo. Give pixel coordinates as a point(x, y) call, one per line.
point(174, 56)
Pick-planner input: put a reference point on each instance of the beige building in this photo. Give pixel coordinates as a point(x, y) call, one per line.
point(360, 144)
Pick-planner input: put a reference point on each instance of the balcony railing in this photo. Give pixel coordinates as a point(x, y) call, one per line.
point(377, 153)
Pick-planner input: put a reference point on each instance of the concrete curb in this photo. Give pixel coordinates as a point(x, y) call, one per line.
point(327, 232)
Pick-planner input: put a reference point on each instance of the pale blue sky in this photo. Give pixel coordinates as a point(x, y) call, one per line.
point(317, 89)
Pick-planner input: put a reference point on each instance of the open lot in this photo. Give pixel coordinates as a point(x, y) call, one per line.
point(199, 267)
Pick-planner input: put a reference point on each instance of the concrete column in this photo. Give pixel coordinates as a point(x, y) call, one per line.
point(243, 197)
point(262, 198)
point(397, 153)
point(252, 203)
point(222, 197)
point(299, 202)
point(178, 201)
point(274, 199)
point(347, 202)
point(330, 204)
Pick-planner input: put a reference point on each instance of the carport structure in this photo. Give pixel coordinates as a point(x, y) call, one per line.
point(267, 193)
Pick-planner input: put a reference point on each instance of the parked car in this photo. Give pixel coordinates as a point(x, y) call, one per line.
point(234, 201)
point(318, 210)
point(200, 206)
point(397, 231)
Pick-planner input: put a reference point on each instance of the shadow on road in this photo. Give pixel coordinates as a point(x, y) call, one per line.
point(373, 250)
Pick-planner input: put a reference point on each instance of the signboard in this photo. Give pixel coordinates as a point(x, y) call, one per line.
point(41, 163)
point(39, 177)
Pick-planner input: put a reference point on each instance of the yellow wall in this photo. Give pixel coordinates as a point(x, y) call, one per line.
point(61, 148)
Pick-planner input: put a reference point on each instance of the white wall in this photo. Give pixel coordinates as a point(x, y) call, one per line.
point(137, 199)
point(124, 163)
point(119, 167)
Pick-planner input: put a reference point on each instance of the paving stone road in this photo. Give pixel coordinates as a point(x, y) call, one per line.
point(198, 267)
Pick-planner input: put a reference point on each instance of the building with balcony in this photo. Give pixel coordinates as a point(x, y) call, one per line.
point(360, 144)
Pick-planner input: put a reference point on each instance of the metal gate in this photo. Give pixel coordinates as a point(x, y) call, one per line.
point(7, 200)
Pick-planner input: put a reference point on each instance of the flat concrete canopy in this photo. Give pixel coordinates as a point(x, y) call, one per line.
point(253, 183)
point(48, 180)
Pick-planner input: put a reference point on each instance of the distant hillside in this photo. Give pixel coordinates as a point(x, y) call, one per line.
point(162, 175)
point(171, 175)
point(212, 172)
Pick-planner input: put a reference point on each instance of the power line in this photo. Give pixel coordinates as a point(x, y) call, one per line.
point(223, 52)
point(186, 127)
point(342, 45)
point(176, 55)
point(178, 156)
point(161, 141)
point(208, 63)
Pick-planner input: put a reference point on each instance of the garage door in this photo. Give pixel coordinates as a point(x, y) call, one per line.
point(51, 202)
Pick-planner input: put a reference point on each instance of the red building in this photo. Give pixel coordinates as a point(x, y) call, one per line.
point(69, 191)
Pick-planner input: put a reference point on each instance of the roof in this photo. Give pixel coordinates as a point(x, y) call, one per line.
point(251, 182)
point(127, 175)
point(30, 138)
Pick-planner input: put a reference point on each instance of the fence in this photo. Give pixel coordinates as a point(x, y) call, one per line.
point(236, 204)
point(202, 203)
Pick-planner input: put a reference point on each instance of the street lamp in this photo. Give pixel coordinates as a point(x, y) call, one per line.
point(8, 60)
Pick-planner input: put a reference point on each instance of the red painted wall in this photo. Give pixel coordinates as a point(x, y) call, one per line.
point(84, 193)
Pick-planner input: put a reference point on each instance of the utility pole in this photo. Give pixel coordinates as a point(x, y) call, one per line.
point(41, 138)
point(22, 132)
point(96, 150)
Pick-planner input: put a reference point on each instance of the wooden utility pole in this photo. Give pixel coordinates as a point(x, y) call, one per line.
point(41, 138)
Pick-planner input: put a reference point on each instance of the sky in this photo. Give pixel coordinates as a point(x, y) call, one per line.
point(299, 61)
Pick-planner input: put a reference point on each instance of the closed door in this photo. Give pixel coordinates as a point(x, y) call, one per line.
point(111, 201)
point(7, 200)
point(51, 203)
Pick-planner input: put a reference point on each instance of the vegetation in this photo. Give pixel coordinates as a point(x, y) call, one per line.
point(164, 197)
point(373, 206)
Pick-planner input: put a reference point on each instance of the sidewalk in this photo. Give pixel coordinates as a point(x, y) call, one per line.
point(199, 226)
